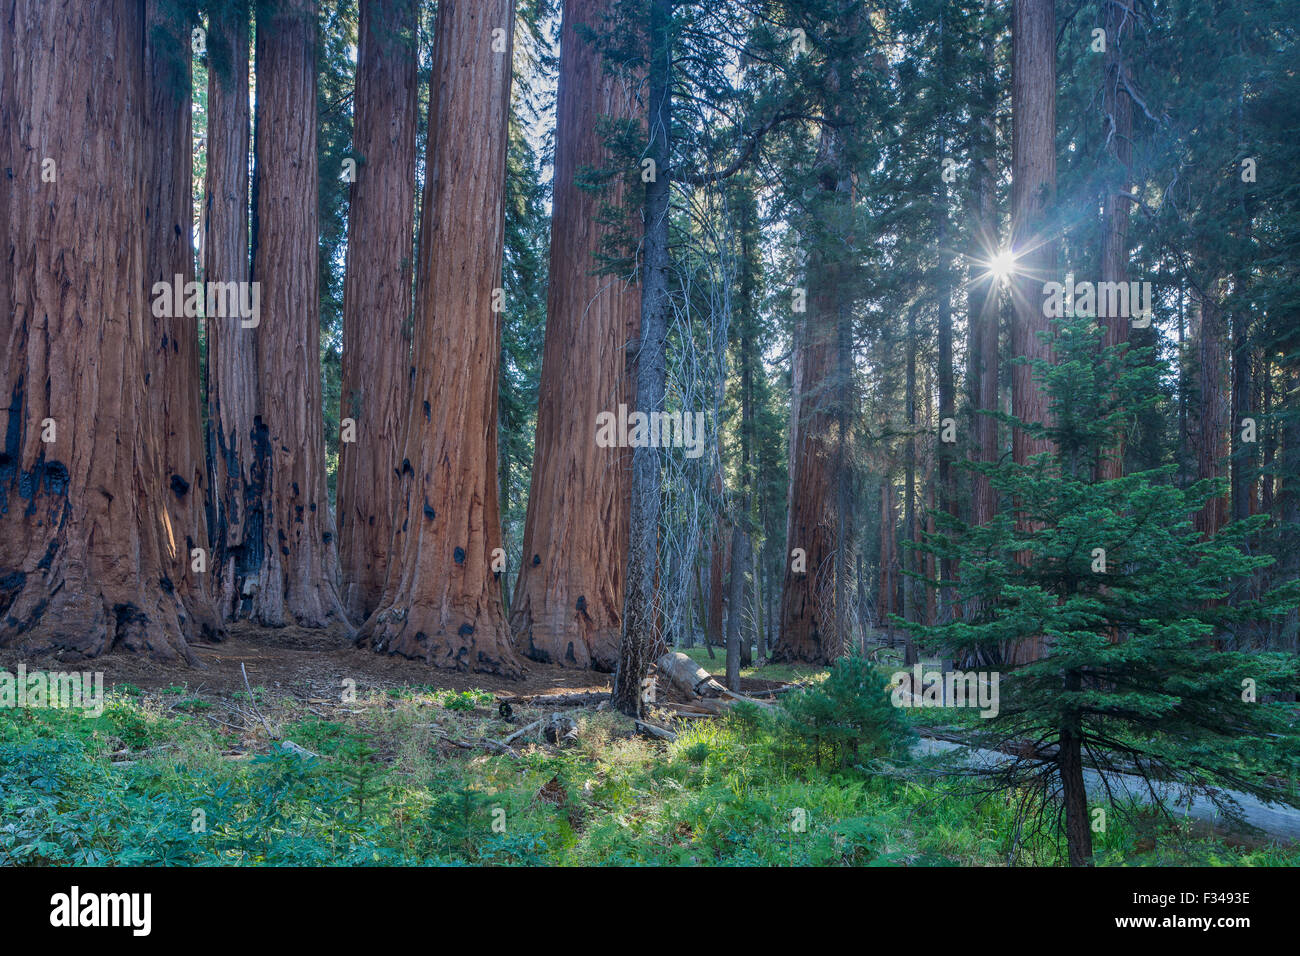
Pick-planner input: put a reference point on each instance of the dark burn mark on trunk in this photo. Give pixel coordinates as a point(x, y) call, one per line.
point(179, 486)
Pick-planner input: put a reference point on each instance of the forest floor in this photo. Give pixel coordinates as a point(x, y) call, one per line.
point(313, 662)
point(192, 766)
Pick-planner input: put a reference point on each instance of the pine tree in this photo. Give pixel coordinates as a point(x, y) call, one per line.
point(1111, 577)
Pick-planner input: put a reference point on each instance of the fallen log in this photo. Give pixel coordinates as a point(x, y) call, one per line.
point(687, 676)
point(654, 731)
point(575, 699)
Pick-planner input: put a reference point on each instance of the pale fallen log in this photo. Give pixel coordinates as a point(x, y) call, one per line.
point(575, 699)
point(523, 730)
point(654, 731)
point(687, 676)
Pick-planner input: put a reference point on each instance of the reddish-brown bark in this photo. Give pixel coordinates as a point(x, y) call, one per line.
point(172, 346)
point(80, 566)
point(231, 345)
point(296, 581)
point(1033, 231)
point(377, 298)
point(568, 603)
point(443, 602)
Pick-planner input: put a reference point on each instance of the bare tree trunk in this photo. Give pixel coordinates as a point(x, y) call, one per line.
point(735, 633)
point(888, 555)
point(1212, 431)
point(172, 351)
point(377, 298)
point(80, 508)
point(982, 299)
point(1118, 109)
point(443, 601)
point(297, 579)
point(569, 600)
point(640, 635)
point(237, 526)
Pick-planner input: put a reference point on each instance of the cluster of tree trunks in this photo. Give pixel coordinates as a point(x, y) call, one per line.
point(442, 602)
point(568, 603)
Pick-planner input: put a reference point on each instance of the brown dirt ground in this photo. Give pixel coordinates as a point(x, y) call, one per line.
point(295, 661)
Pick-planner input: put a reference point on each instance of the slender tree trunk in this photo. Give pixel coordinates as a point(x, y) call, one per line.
point(719, 553)
point(172, 351)
point(446, 605)
point(735, 632)
point(1212, 429)
point(377, 298)
point(80, 506)
point(297, 579)
point(569, 599)
point(1289, 505)
point(982, 298)
point(888, 558)
point(640, 607)
point(232, 398)
point(1118, 109)
point(909, 554)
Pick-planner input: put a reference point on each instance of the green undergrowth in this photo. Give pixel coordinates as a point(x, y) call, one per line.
point(824, 780)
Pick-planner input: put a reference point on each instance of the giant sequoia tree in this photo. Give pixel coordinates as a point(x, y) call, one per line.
point(231, 381)
point(299, 562)
point(377, 298)
point(815, 597)
point(81, 509)
point(172, 353)
point(1033, 239)
point(568, 604)
point(443, 599)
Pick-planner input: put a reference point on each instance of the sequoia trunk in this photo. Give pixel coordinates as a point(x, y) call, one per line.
point(377, 298)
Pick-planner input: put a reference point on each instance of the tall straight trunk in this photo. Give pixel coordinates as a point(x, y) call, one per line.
point(1289, 505)
point(909, 554)
point(945, 452)
point(982, 299)
point(1212, 427)
point(719, 552)
point(568, 607)
point(1242, 452)
point(172, 351)
point(232, 394)
point(1033, 188)
point(811, 618)
point(735, 632)
point(1118, 110)
point(297, 579)
point(377, 297)
point(640, 635)
point(443, 601)
point(81, 509)
point(1033, 229)
point(888, 554)
point(813, 612)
